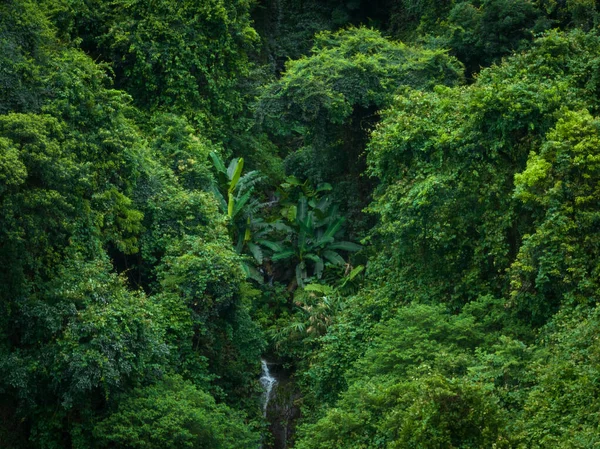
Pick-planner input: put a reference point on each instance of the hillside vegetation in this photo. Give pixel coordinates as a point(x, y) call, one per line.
point(396, 201)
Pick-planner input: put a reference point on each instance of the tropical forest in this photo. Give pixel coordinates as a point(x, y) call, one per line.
point(309, 224)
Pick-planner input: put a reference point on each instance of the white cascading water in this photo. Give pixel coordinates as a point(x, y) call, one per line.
point(267, 381)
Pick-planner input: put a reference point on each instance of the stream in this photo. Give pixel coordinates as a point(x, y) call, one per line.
point(267, 381)
point(279, 405)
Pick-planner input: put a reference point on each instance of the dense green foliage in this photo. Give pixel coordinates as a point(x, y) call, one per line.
point(173, 414)
point(324, 105)
point(486, 191)
point(183, 57)
point(89, 187)
point(398, 201)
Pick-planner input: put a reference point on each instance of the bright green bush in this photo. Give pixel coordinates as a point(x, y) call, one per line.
point(447, 160)
point(407, 391)
point(173, 414)
point(563, 408)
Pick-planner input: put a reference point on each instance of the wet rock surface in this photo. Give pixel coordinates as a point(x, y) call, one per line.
point(282, 411)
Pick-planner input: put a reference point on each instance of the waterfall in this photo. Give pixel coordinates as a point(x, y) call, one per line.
point(267, 381)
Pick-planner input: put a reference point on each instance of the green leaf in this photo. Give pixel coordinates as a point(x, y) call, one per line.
point(234, 172)
point(313, 257)
point(355, 272)
point(324, 240)
point(323, 207)
point(334, 227)
point(217, 162)
point(302, 209)
point(345, 246)
point(240, 203)
point(323, 187)
point(292, 180)
point(307, 224)
point(302, 241)
point(274, 246)
point(279, 226)
point(290, 213)
point(285, 254)
point(319, 266)
point(256, 252)
point(252, 273)
point(334, 257)
point(220, 198)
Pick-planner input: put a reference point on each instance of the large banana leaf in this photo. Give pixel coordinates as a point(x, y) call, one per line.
point(302, 209)
point(302, 241)
point(313, 257)
point(256, 252)
point(323, 206)
point(219, 196)
point(239, 204)
point(280, 226)
point(323, 240)
point(334, 227)
point(273, 246)
point(319, 267)
point(306, 225)
point(334, 257)
point(252, 273)
point(217, 162)
point(285, 254)
point(345, 246)
point(234, 172)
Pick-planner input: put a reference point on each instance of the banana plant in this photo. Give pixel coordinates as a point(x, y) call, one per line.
point(312, 228)
point(234, 193)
